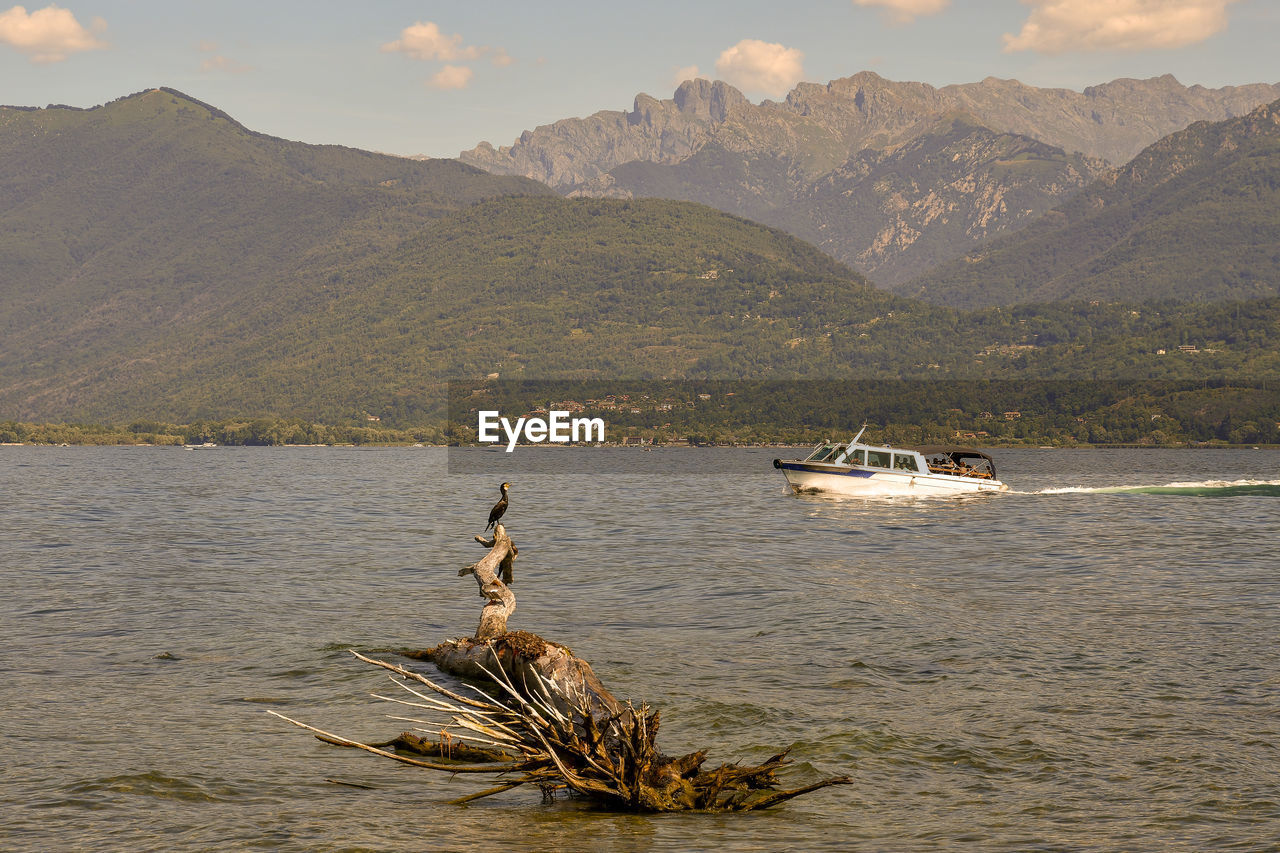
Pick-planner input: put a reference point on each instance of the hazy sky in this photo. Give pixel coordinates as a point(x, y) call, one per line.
point(436, 78)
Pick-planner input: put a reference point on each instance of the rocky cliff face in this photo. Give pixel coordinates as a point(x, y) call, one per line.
point(1113, 121)
point(868, 168)
point(829, 123)
point(576, 151)
point(930, 199)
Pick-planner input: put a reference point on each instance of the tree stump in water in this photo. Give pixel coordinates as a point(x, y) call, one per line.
point(501, 601)
point(545, 719)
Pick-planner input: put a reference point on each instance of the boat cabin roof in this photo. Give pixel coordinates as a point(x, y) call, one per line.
point(952, 450)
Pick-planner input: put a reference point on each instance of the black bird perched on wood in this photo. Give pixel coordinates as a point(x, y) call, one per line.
point(499, 508)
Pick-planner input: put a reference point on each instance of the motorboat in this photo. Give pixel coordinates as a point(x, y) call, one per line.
point(856, 468)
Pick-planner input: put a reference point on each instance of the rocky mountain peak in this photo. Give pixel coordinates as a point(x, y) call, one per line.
point(862, 80)
point(860, 92)
point(705, 100)
point(1165, 83)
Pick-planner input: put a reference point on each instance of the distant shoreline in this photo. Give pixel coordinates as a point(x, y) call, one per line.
point(1218, 445)
point(1136, 429)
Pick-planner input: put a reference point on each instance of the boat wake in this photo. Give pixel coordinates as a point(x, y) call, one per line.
point(1203, 489)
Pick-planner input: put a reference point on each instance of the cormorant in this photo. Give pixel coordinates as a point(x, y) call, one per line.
point(499, 508)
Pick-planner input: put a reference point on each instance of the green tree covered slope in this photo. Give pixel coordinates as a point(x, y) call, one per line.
point(1196, 216)
point(139, 231)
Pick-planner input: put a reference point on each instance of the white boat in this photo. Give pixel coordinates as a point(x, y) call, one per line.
point(854, 468)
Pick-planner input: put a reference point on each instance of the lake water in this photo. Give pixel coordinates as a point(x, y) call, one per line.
point(1064, 667)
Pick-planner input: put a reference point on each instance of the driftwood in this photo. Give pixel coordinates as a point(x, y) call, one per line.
point(501, 601)
point(543, 718)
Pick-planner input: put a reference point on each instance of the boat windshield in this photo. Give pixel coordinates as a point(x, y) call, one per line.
point(825, 453)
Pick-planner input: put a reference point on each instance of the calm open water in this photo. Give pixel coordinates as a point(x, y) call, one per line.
point(1066, 667)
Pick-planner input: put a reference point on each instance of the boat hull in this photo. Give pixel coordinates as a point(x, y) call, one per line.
point(854, 480)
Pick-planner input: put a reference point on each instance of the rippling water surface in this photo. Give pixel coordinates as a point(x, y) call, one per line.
point(1089, 662)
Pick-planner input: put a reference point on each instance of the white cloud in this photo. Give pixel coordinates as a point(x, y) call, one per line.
point(48, 35)
point(224, 64)
point(757, 66)
point(1063, 26)
point(425, 41)
point(906, 11)
point(218, 62)
point(689, 72)
point(451, 77)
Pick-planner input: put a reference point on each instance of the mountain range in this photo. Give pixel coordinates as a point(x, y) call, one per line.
point(159, 260)
point(892, 178)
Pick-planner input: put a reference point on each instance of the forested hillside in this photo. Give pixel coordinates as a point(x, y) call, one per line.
point(1196, 216)
point(133, 235)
